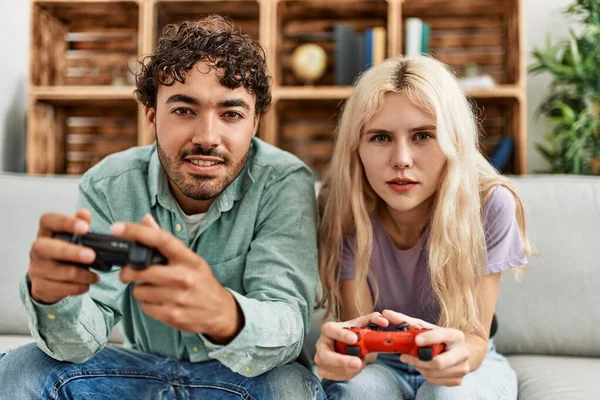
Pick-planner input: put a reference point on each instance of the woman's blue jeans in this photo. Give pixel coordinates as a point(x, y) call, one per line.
point(389, 378)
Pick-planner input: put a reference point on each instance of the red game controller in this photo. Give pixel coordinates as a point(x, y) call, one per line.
point(374, 340)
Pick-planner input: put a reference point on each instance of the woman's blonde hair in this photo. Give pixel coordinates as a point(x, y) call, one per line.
point(457, 248)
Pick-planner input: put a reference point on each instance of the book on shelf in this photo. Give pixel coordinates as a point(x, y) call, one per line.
point(416, 37)
point(501, 156)
point(348, 54)
point(356, 51)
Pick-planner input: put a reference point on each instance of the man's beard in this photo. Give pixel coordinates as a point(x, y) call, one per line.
point(197, 186)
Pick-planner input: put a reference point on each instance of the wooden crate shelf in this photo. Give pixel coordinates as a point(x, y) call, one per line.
point(88, 43)
point(482, 32)
point(82, 105)
point(78, 133)
point(342, 92)
point(244, 13)
point(499, 118)
point(67, 94)
point(306, 129)
point(300, 21)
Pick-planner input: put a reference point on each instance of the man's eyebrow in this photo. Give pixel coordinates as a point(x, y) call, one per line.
point(234, 103)
point(182, 98)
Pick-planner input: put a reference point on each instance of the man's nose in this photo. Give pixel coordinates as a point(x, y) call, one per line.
point(206, 132)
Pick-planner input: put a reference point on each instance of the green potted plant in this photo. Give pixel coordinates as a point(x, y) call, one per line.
point(573, 104)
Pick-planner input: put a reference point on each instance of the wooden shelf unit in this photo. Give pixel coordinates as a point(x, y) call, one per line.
point(83, 52)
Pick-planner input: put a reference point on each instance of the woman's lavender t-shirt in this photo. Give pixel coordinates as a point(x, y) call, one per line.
point(403, 275)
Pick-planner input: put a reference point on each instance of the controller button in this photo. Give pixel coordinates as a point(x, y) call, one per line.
point(425, 353)
point(373, 326)
point(402, 327)
point(353, 351)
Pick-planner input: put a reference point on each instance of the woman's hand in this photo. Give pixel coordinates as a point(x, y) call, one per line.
point(446, 369)
point(341, 367)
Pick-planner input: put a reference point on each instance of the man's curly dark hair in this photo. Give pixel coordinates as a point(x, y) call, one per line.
point(239, 60)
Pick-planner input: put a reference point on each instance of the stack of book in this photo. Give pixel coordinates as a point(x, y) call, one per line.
point(356, 51)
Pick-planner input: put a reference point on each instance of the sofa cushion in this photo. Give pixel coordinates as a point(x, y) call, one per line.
point(556, 378)
point(555, 307)
point(9, 342)
point(23, 198)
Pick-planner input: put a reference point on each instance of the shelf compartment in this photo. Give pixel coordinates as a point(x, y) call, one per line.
point(480, 32)
point(307, 130)
point(300, 22)
point(499, 118)
point(88, 43)
point(245, 14)
point(70, 136)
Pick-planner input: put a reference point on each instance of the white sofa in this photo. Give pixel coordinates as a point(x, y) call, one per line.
point(549, 322)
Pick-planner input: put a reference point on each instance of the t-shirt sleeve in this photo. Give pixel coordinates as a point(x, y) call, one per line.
point(502, 235)
point(348, 264)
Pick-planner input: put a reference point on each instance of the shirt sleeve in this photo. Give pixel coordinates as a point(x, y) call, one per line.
point(77, 327)
point(280, 279)
point(502, 234)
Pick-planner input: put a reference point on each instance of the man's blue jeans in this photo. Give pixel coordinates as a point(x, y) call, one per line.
point(116, 373)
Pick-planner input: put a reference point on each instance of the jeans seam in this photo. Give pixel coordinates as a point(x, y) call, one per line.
point(229, 387)
point(64, 379)
point(235, 389)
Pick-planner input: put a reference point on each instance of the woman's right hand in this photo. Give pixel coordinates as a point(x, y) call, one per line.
point(341, 367)
point(51, 271)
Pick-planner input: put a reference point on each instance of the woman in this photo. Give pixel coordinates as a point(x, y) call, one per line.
point(416, 228)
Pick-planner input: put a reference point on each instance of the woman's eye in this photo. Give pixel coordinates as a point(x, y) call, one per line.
point(423, 136)
point(380, 138)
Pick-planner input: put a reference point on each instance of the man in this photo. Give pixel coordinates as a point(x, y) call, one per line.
point(236, 219)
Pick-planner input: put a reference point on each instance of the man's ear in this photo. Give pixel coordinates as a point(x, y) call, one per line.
point(256, 123)
point(150, 116)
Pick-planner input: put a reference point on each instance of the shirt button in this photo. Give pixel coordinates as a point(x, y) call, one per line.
point(195, 349)
point(178, 227)
point(247, 368)
point(50, 316)
point(208, 345)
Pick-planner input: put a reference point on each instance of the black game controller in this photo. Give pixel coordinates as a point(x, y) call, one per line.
point(113, 251)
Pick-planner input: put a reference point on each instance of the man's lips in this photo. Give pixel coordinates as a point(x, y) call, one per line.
point(204, 159)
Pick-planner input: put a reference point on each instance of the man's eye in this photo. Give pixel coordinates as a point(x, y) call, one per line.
point(182, 111)
point(232, 115)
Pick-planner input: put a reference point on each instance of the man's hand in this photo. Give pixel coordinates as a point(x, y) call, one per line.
point(52, 275)
point(183, 294)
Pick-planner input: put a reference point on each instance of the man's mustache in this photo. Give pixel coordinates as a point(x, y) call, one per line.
point(201, 151)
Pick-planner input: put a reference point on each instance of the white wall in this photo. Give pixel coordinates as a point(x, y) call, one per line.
point(541, 17)
point(14, 67)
